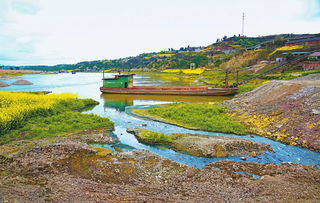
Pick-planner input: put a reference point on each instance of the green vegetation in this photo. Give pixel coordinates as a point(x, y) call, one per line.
point(288, 75)
point(10, 75)
point(210, 56)
point(247, 87)
point(29, 115)
point(154, 137)
point(202, 116)
point(42, 127)
point(239, 58)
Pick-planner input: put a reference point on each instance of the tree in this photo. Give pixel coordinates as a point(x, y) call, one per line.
point(279, 41)
point(200, 60)
point(289, 56)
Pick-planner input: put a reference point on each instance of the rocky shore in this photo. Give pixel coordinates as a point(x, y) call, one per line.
point(287, 111)
point(205, 145)
point(68, 169)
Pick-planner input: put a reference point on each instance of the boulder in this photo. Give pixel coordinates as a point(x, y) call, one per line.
point(22, 82)
point(218, 146)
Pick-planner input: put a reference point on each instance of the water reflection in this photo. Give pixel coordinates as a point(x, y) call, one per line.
point(121, 101)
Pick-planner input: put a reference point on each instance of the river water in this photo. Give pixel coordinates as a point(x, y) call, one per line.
point(116, 107)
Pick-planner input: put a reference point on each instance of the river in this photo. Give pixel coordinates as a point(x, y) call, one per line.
point(116, 107)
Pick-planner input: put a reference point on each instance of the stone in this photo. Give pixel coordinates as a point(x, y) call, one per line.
point(315, 111)
point(253, 154)
point(22, 82)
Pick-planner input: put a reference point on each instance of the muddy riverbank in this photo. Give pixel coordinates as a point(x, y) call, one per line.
point(202, 145)
point(68, 169)
point(287, 111)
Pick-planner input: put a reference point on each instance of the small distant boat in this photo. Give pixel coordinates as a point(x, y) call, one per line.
point(123, 84)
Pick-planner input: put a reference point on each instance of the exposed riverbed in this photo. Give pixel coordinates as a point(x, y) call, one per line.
point(116, 107)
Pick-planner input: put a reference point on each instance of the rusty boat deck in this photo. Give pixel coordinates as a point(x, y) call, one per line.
point(196, 91)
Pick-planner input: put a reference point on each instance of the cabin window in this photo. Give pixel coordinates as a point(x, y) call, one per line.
point(126, 85)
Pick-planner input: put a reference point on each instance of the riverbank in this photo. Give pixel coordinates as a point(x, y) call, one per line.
point(202, 145)
point(7, 74)
point(197, 116)
point(66, 168)
point(286, 111)
point(33, 116)
point(72, 167)
point(216, 78)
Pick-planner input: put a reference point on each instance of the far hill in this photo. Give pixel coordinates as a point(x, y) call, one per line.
point(219, 54)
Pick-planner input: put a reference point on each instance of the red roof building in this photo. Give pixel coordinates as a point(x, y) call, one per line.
point(306, 42)
point(311, 66)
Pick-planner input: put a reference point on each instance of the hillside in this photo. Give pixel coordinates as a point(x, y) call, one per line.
point(219, 54)
point(287, 111)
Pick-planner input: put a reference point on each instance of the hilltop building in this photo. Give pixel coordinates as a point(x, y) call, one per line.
point(306, 42)
point(281, 60)
point(314, 57)
point(313, 62)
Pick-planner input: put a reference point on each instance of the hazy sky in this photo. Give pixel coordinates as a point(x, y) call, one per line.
point(70, 31)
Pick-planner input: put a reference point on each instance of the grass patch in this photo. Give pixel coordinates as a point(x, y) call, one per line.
point(31, 116)
point(247, 87)
point(42, 127)
point(154, 137)
point(289, 75)
point(202, 116)
point(16, 108)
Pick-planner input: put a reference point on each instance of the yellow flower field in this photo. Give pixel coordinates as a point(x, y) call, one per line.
point(16, 107)
point(286, 48)
point(171, 71)
point(196, 71)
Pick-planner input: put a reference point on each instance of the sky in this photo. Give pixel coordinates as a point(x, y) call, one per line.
point(49, 32)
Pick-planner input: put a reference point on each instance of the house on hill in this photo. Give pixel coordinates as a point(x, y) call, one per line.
point(281, 60)
point(313, 62)
point(315, 41)
point(314, 56)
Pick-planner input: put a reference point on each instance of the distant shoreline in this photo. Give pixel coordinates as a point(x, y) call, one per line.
point(8, 74)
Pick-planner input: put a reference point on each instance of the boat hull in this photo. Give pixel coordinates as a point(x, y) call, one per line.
point(195, 91)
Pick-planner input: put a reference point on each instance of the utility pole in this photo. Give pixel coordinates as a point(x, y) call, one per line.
point(243, 19)
point(226, 79)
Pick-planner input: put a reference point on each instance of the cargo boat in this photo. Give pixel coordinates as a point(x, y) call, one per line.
point(123, 84)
